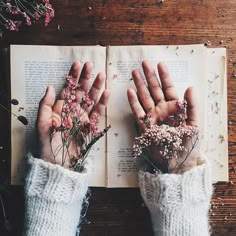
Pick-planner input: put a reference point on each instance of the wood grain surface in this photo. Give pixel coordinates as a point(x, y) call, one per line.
point(121, 22)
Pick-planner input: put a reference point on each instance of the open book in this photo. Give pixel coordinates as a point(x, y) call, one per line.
point(33, 68)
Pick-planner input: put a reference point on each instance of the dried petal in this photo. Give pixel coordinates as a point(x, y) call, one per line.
point(14, 101)
point(23, 120)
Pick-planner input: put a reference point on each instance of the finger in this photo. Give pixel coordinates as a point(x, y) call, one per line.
point(96, 87)
point(135, 106)
point(142, 90)
point(44, 122)
point(166, 82)
point(99, 109)
point(44, 119)
point(85, 76)
point(190, 97)
point(74, 72)
point(153, 83)
point(84, 81)
point(56, 113)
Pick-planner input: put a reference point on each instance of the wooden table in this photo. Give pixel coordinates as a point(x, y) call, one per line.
point(118, 22)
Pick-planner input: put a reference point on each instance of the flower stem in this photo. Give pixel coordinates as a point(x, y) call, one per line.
point(8, 110)
point(193, 146)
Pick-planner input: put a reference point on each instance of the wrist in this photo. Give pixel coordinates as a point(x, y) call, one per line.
point(182, 165)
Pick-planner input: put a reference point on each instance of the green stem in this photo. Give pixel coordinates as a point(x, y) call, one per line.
point(3, 208)
point(150, 162)
point(21, 6)
point(8, 110)
point(63, 150)
point(193, 146)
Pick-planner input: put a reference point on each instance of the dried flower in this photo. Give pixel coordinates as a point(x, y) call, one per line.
point(169, 137)
point(14, 13)
point(74, 130)
point(179, 117)
point(169, 140)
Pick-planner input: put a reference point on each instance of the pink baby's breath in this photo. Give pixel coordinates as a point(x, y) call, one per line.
point(169, 140)
point(93, 127)
point(66, 123)
point(86, 102)
point(71, 84)
point(27, 18)
point(47, 18)
point(14, 10)
point(169, 136)
point(12, 25)
point(36, 15)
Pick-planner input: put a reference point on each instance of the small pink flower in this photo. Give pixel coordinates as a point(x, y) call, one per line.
point(47, 19)
point(66, 135)
point(36, 15)
point(50, 9)
point(169, 140)
point(94, 118)
point(65, 110)
point(86, 102)
point(93, 127)
point(73, 97)
point(13, 9)
point(27, 18)
point(66, 123)
point(49, 14)
point(71, 83)
point(12, 25)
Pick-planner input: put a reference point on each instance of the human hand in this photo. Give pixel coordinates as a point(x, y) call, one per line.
point(159, 101)
point(50, 112)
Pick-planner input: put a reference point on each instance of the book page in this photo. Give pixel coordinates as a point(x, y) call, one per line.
point(187, 68)
point(33, 68)
point(216, 148)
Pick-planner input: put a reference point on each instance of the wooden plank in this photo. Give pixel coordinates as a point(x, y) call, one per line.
point(119, 22)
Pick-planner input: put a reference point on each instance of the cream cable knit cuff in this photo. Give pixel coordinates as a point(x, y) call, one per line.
point(54, 197)
point(178, 204)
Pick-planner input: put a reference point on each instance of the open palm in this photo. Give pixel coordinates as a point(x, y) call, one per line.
point(50, 111)
point(159, 100)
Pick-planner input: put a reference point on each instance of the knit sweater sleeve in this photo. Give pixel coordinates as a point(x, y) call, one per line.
point(53, 199)
point(178, 204)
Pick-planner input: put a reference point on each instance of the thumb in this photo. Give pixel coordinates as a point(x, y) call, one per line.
point(44, 119)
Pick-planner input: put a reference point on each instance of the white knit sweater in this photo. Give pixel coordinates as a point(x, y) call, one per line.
point(53, 199)
point(178, 203)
